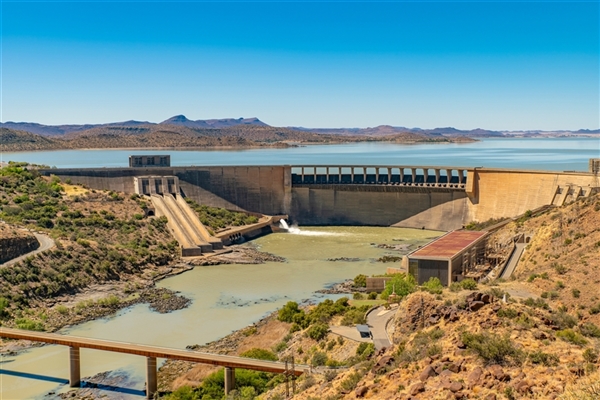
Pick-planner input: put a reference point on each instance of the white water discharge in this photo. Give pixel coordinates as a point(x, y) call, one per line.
point(294, 230)
point(284, 225)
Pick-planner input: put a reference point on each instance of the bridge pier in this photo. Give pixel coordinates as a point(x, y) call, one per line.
point(75, 367)
point(151, 381)
point(229, 379)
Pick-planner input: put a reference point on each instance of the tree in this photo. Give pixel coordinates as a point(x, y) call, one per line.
point(401, 284)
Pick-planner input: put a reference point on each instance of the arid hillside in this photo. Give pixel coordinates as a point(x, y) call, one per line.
point(181, 136)
point(536, 336)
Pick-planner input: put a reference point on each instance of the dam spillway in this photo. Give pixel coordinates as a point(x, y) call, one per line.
point(438, 198)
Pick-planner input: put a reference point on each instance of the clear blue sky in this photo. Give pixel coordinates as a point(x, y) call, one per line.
point(494, 65)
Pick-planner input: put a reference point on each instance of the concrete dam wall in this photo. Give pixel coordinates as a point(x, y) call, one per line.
point(439, 198)
point(374, 205)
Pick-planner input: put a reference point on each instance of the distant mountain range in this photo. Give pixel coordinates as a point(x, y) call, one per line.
point(180, 132)
point(381, 130)
point(178, 120)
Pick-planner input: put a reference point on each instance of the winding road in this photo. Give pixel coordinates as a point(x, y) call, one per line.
point(46, 243)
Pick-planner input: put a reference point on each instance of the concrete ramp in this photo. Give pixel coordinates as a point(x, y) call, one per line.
point(198, 226)
point(511, 265)
point(182, 225)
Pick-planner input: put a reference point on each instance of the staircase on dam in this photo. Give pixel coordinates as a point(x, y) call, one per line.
point(192, 235)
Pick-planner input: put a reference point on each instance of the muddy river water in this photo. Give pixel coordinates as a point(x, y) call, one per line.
point(225, 298)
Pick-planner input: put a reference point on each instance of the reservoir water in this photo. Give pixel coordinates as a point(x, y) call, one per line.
point(225, 298)
point(558, 154)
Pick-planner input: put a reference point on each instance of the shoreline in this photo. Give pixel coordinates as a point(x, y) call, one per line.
point(276, 145)
point(103, 300)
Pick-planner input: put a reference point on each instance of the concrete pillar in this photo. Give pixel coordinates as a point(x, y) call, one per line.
point(352, 174)
point(75, 367)
point(461, 176)
point(414, 175)
point(314, 174)
point(151, 382)
point(425, 175)
point(389, 170)
point(376, 174)
point(437, 176)
point(340, 174)
point(327, 174)
point(287, 189)
point(449, 176)
point(302, 174)
point(364, 174)
point(401, 175)
point(229, 379)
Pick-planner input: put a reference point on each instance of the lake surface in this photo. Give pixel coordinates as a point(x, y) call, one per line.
point(225, 298)
point(558, 154)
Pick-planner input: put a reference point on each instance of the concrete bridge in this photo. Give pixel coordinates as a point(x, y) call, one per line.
point(152, 353)
point(439, 198)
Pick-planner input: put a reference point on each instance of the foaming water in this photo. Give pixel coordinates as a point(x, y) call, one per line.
point(295, 230)
point(224, 298)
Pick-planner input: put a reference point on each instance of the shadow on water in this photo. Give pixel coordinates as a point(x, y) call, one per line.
point(34, 376)
point(84, 384)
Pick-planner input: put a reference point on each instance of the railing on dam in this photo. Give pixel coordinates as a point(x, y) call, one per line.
point(448, 177)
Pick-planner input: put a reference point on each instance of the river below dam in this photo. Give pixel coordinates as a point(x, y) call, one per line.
point(224, 298)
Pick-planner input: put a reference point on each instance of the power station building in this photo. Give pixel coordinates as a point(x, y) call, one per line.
point(448, 258)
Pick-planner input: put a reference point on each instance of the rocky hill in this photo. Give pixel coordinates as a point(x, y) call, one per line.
point(536, 336)
point(13, 140)
point(15, 242)
point(182, 136)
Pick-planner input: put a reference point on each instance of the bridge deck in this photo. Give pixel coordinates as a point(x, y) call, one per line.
point(151, 351)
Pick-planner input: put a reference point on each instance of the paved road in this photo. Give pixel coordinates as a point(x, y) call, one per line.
point(349, 332)
point(377, 320)
point(46, 243)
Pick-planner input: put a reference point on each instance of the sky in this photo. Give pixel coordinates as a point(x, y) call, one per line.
point(494, 65)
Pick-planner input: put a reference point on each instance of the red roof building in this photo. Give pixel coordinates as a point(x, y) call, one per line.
point(448, 257)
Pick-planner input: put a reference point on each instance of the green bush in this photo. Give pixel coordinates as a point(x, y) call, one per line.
point(506, 312)
point(576, 293)
point(563, 320)
point(595, 309)
point(589, 329)
point(569, 335)
point(468, 284)
point(357, 296)
point(260, 354)
point(4, 303)
point(287, 313)
point(354, 316)
point(402, 284)
point(365, 349)
point(560, 269)
point(317, 331)
point(539, 357)
point(590, 355)
point(433, 286)
point(536, 303)
point(360, 280)
point(24, 323)
point(319, 359)
point(455, 287)
point(351, 381)
point(372, 296)
point(493, 348)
